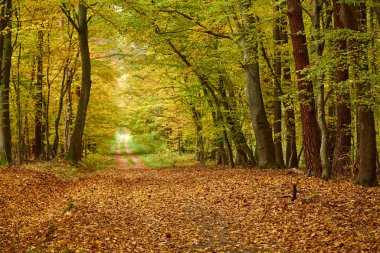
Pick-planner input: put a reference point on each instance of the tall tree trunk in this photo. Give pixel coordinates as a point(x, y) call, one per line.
point(377, 12)
point(199, 143)
point(231, 117)
point(290, 119)
point(48, 95)
point(355, 18)
point(67, 79)
point(261, 127)
point(20, 153)
point(75, 150)
point(291, 143)
point(68, 121)
point(228, 148)
point(277, 113)
point(310, 130)
point(28, 131)
point(179, 143)
point(38, 138)
point(6, 57)
point(321, 114)
point(222, 140)
point(341, 160)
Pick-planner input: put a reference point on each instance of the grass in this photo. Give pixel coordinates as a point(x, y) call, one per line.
point(98, 162)
point(130, 160)
point(156, 156)
point(123, 151)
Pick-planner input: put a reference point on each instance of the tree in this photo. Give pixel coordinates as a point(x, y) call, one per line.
point(354, 17)
point(341, 159)
point(263, 132)
point(277, 112)
point(6, 49)
point(38, 132)
point(310, 130)
point(75, 150)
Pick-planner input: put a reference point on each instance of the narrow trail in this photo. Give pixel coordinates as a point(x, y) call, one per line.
point(193, 209)
point(123, 162)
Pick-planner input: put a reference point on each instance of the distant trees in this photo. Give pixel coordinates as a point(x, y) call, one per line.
point(215, 78)
point(39, 82)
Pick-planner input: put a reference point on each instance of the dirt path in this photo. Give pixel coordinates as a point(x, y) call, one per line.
point(132, 209)
point(123, 162)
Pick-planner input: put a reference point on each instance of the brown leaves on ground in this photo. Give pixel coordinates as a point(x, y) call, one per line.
point(190, 209)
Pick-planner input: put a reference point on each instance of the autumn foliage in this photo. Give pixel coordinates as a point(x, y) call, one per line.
point(190, 209)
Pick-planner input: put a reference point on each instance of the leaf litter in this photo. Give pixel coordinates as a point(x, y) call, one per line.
point(189, 209)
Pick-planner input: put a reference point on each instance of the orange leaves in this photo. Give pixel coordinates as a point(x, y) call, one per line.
point(187, 210)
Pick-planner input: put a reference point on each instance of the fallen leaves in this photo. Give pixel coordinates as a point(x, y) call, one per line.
point(189, 209)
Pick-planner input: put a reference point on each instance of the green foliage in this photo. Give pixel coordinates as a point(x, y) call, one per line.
point(57, 168)
point(145, 144)
point(155, 154)
point(98, 162)
point(166, 158)
point(130, 160)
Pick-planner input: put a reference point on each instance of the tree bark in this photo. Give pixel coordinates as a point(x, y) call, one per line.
point(341, 159)
point(17, 84)
point(38, 137)
point(355, 18)
point(67, 79)
point(261, 127)
point(199, 143)
point(231, 118)
point(310, 130)
point(290, 119)
point(75, 150)
point(321, 114)
point(277, 92)
point(5, 66)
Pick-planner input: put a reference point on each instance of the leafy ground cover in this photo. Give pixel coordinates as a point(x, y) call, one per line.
point(191, 209)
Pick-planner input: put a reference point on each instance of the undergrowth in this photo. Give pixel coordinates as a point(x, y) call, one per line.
point(93, 163)
point(155, 155)
point(97, 162)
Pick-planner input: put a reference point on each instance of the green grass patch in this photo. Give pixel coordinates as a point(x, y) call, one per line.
point(166, 159)
point(130, 160)
point(155, 154)
point(141, 146)
point(122, 148)
point(98, 162)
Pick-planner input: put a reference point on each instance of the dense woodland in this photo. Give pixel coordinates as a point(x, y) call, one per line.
point(262, 83)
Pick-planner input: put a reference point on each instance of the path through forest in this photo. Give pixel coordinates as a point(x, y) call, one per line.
point(190, 209)
point(121, 159)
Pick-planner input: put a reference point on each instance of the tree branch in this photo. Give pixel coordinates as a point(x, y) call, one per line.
point(67, 14)
point(207, 30)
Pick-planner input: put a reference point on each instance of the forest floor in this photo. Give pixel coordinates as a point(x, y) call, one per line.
point(190, 209)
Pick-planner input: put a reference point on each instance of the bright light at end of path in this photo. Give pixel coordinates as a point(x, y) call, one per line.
point(124, 137)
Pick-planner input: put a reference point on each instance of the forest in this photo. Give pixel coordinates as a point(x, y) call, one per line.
point(185, 113)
